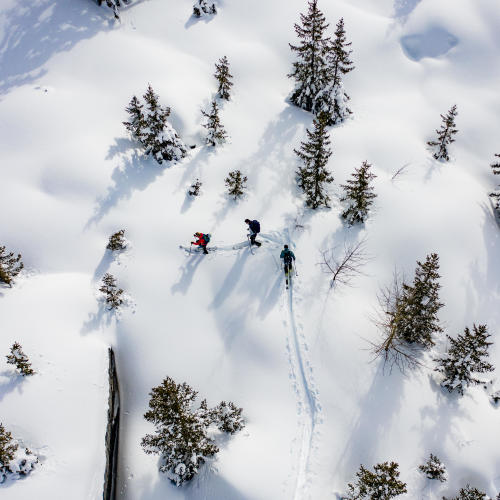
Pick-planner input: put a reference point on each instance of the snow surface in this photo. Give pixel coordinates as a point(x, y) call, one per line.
point(299, 363)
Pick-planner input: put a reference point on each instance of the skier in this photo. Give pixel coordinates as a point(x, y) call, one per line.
point(254, 228)
point(287, 256)
point(202, 241)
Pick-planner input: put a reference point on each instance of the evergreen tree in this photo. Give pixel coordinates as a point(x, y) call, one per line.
point(111, 291)
point(8, 447)
point(236, 184)
point(18, 358)
point(117, 241)
point(10, 266)
point(469, 493)
point(495, 167)
point(114, 5)
point(382, 484)
point(315, 154)
point(359, 194)
point(445, 135)
point(466, 355)
point(227, 417)
point(434, 469)
point(216, 132)
point(310, 70)
point(195, 188)
point(202, 7)
point(137, 123)
point(223, 78)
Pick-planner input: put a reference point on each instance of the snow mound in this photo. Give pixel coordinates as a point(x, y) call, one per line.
point(433, 42)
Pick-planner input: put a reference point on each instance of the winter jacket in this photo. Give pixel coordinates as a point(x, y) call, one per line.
point(287, 255)
point(201, 241)
point(254, 226)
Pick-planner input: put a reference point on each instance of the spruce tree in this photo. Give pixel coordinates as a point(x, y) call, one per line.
point(117, 241)
point(228, 417)
point(137, 123)
point(20, 360)
point(216, 132)
point(10, 266)
point(114, 5)
point(310, 70)
point(223, 78)
point(359, 194)
point(469, 493)
point(495, 168)
point(195, 188)
point(111, 291)
point(445, 135)
point(315, 154)
point(236, 184)
point(202, 7)
point(466, 355)
point(433, 469)
point(381, 484)
point(8, 448)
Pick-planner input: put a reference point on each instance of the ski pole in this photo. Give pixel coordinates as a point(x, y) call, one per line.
point(190, 246)
point(295, 266)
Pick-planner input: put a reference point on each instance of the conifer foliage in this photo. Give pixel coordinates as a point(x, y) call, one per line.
point(466, 356)
point(14, 461)
point(10, 266)
point(8, 447)
point(359, 195)
point(223, 77)
point(495, 168)
point(152, 130)
point(114, 5)
point(20, 360)
point(445, 135)
point(181, 428)
point(236, 184)
point(314, 154)
point(433, 469)
point(469, 493)
point(203, 8)
point(113, 294)
point(117, 241)
point(195, 188)
point(381, 484)
point(216, 132)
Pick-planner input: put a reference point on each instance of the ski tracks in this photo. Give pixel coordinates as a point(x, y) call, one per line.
point(308, 406)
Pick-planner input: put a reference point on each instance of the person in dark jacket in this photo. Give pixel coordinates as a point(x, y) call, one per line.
point(201, 242)
point(287, 256)
point(254, 228)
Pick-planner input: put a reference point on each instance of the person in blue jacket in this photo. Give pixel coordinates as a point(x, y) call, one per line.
point(287, 256)
point(254, 228)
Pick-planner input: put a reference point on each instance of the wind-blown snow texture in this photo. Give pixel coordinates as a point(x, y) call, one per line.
point(297, 363)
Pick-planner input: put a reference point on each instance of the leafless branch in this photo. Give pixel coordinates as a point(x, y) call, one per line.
point(400, 171)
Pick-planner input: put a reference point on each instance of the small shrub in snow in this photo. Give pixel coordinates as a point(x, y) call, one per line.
point(495, 167)
point(182, 429)
point(114, 5)
point(236, 184)
point(469, 493)
point(20, 360)
point(195, 188)
point(8, 446)
point(466, 355)
point(10, 266)
point(216, 132)
point(445, 135)
point(359, 195)
point(117, 241)
point(111, 291)
point(223, 78)
point(381, 484)
point(137, 122)
point(203, 8)
point(314, 154)
point(434, 468)
point(14, 462)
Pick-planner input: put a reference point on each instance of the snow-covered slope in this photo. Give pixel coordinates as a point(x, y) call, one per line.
point(298, 362)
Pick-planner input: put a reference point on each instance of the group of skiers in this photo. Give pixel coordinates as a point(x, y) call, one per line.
point(287, 256)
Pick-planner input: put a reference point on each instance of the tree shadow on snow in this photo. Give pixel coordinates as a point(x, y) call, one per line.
point(96, 320)
point(9, 382)
point(103, 265)
point(36, 31)
point(187, 274)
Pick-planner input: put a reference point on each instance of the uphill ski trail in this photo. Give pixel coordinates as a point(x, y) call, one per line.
point(309, 408)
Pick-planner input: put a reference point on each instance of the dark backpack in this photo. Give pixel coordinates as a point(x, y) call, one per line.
point(287, 258)
point(206, 237)
point(256, 226)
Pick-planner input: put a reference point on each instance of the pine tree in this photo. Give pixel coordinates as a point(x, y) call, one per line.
point(315, 154)
point(195, 188)
point(415, 317)
point(10, 266)
point(216, 132)
point(18, 358)
point(8, 447)
point(469, 493)
point(310, 70)
point(466, 355)
point(117, 241)
point(223, 78)
point(227, 417)
point(495, 167)
point(202, 7)
point(236, 184)
point(434, 469)
point(137, 123)
point(111, 291)
point(114, 5)
point(445, 135)
point(359, 194)
point(382, 484)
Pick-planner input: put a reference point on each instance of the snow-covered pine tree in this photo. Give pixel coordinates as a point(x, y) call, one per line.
point(10, 266)
point(111, 291)
point(202, 8)
point(381, 484)
point(114, 4)
point(195, 188)
point(117, 241)
point(469, 493)
point(466, 355)
point(314, 154)
point(227, 417)
point(216, 132)
point(445, 135)
point(236, 184)
point(434, 469)
point(137, 122)
point(416, 314)
point(495, 167)
point(8, 447)
point(223, 78)
point(20, 360)
point(310, 70)
point(359, 194)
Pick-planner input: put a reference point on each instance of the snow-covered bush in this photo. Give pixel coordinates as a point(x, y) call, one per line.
point(113, 294)
point(14, 461)
point(236, 184)
point(433, 468)
point(182, 428)
point(20, 360)
point(10, 266)
point(114, 5)
point(216, 132)
point(381, 484)
point(469, 493)
point(203, 8)
point(195, 188)
point(117, 241)
point(223, 78)
point(445, 135)
point(466, 355)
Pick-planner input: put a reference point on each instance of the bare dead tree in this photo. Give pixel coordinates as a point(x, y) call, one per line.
point(344, 268)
